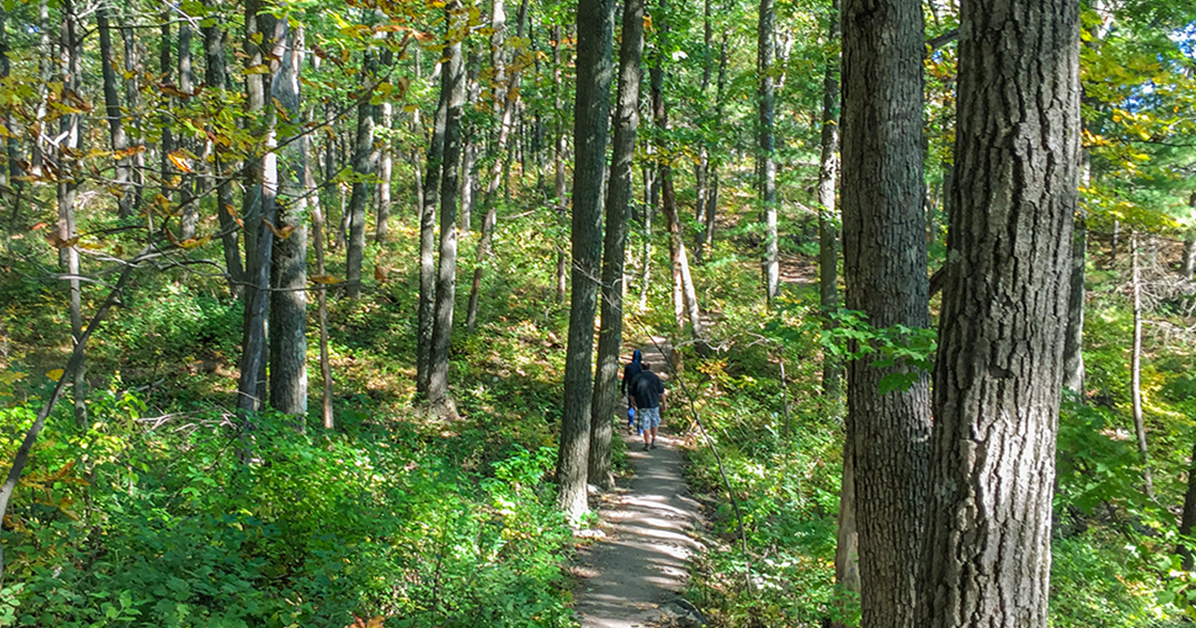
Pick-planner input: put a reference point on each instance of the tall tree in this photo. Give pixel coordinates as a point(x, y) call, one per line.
point(453, 84)
point(261, 184)
point(365, 162)
point(766, 160)
point(288, 306)
point(123, 177)
point(560, 147)
point(69, 174)
point(216, 75)
point(427, 244)
point(999, 369)
point(828, 232)
point(884, 252)
point(190, 219)
point(614, 246)
point(591, 120)
point(385, 113)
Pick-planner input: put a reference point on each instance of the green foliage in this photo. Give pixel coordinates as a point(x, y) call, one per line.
point(178, 532)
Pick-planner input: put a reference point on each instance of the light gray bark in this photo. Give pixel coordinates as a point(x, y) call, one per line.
point(427, 245)
point(999, 368)
point(123, 175)
point(453, 84)
point(766, 92)
point(288, 305)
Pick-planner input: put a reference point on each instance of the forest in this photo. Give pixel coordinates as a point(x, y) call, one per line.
point(313, 312)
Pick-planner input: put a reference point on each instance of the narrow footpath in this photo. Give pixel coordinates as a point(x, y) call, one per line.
point(633, 577)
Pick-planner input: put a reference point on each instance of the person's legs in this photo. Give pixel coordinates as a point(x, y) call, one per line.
point(649, 420)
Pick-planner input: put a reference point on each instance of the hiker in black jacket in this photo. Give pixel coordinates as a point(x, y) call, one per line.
point(629, 373)
point(647, 393)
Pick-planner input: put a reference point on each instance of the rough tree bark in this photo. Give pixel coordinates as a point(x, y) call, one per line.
point(591, 120)
point(122, 176)
point(884, 252)
point(614, 248)
point(828, 233)
point(216, 75)
point(561, 146)
point(427, 246)
point(999, 370)
point(766, 93)
point(261, 176)
point(68, 190)
point(385, 113)
point(288, 305)
point(365, 161)
point(453, 84)
point(1136, 363)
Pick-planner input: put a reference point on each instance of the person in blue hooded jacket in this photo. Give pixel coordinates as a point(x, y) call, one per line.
point(629, 372)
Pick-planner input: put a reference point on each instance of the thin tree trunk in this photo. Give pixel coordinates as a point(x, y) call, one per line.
point(828, 233)
point(116, 126)
point(190, 208)
point(884, 244)
point(591, 120)
point(288, 306)
point(614, 249)
point(317, 238)
point(1136, 364)
point(215, 74)
point(453, 83)
point(167, 146)
point(45, 74)
point(12, 168)
point(1189, 260)
point(365, 160)
point(561, 146)
point(385, 113)
point(999, 369)
point(504, 104)
point(847, 542)
point(259, 208)
point(470, 141)
point(68, 169)
point(767, 146)
point(1073, 354)
point(74, 362)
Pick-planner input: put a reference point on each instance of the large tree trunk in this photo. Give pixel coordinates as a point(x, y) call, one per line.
point(215, 74)
point(288, 307)
point(261, 173)
point(427, 246)
point(884, 245)
point(614, 247)
point(123, 179)
point(446, 270)
point(365, 160)
point(68, 189)
point(770, 264)
point(591, 120)
point(999, 370)
point(828, 233)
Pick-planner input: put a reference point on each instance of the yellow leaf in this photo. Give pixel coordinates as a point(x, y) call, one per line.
point(55, 374)
point(324, 279)
point(257, 69)
point(180, 160)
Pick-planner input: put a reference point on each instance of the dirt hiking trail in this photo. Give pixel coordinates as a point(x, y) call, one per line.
point(634, 576)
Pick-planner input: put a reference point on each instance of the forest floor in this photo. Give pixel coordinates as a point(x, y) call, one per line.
point(634, 576)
